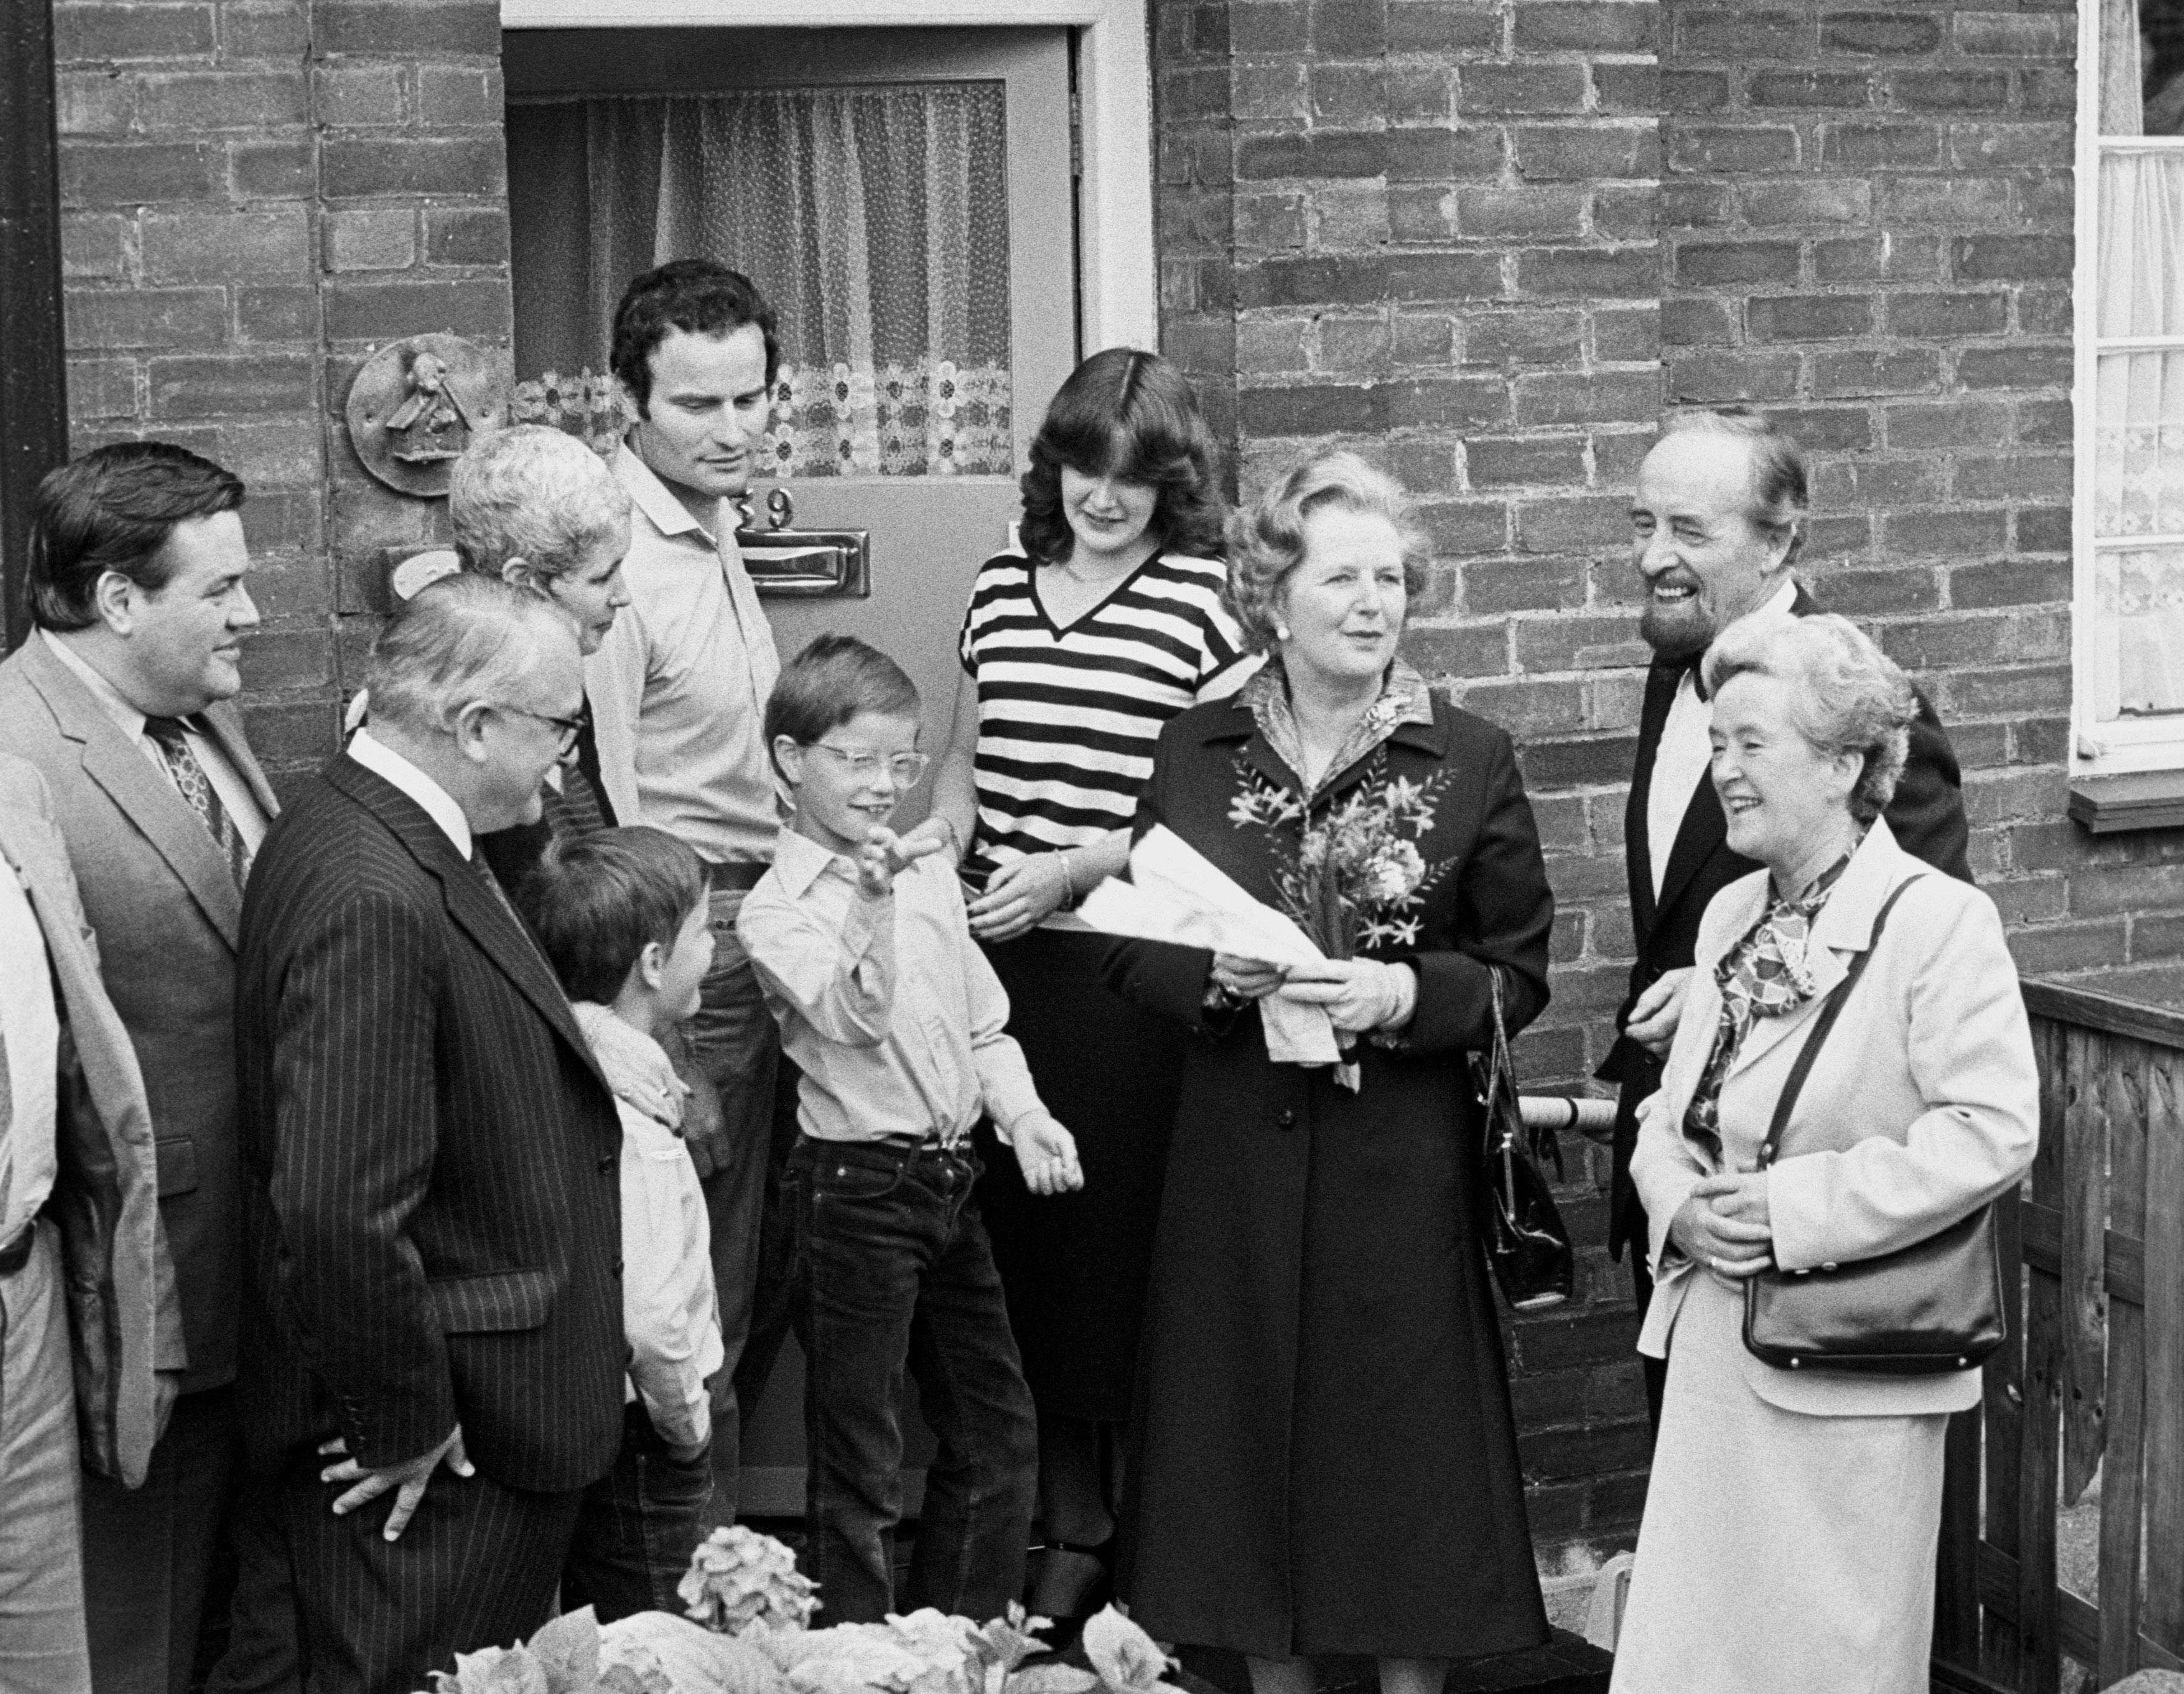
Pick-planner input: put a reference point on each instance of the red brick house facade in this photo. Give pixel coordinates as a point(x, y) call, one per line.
point(1487, 241)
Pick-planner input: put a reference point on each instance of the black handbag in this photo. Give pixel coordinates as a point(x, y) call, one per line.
point(1931, 1307)
point(1526, 1244)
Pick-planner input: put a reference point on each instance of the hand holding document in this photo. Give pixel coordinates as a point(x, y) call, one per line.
point(1175, 894)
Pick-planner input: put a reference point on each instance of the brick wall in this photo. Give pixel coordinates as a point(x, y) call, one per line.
point(1867, 231)
point(256, 193)
point(1425, 230)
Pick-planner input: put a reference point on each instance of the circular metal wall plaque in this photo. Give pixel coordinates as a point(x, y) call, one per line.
point(415, 405)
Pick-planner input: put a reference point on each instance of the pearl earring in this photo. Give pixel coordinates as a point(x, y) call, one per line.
point(1281, 632)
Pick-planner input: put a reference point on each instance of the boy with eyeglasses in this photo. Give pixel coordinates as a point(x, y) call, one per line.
point(898, 1022)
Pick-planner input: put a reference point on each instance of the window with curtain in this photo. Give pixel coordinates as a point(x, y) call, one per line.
point(2131, 710)
point(873, 216)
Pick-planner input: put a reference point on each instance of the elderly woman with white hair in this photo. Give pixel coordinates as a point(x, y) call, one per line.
point(536, 508)
point(1791, 1521)
point(1325, 1459)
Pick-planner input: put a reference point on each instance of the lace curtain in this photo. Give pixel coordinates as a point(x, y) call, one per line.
point(2138, 459)
point(875, 217)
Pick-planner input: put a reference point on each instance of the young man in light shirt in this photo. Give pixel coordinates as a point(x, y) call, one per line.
point(679, 691)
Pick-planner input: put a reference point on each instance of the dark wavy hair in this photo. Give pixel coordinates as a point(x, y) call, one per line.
point(1130, 416)
point(113, 509)
point(695, 296)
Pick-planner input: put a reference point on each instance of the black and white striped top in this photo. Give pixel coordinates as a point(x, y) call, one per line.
point(1068, 716)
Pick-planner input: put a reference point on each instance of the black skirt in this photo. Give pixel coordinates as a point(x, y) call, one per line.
point(1074, 1266)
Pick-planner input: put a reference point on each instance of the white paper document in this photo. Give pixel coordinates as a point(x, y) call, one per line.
point(1177, 894)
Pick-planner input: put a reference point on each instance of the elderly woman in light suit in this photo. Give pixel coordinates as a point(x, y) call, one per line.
point(1789, 1526)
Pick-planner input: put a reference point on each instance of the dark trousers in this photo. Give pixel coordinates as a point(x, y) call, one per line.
point(637, 1527)
point(892, 1269)
point(150, 1553)
point(478, 1565)
point(733, 1045)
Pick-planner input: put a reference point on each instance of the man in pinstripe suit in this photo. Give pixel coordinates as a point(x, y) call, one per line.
point(430, 1165)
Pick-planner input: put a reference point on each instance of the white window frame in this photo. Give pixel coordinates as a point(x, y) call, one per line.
point(1117, 275)
point(2121, 749)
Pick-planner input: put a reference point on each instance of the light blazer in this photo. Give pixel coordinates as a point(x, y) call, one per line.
point(1923, 1105)
point(165, 907)
point(124, 1321)
point(1926, 812)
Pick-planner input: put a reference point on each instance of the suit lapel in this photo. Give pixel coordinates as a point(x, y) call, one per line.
point(148, 799)
point(1661, 683)
point(471, 905)
point(1843, 929)
point(225, 724)
point(1703, 832)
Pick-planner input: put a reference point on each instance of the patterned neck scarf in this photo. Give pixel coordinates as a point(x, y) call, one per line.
point(1764, 975)
point(1404, 698)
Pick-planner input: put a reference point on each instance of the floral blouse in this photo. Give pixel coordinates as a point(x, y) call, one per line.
point(1762, 976)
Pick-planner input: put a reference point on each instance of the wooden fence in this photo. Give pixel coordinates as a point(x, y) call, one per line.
point(2092, 1380)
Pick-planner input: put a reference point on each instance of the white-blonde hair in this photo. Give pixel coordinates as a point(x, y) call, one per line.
point(536, 494)
point(1266, 538)
point(1846, 695)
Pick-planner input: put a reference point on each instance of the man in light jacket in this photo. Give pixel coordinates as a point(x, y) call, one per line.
point(80, 1248)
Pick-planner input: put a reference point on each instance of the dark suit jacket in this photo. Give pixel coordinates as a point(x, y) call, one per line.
point(431, 1159)
point(1927, 815)
point(164, 906)
point(124, 1321)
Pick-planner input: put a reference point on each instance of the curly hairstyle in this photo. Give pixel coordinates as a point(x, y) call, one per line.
point(1266, 538)
point(1847, 696)
point(696, 296)
point(1131, 415)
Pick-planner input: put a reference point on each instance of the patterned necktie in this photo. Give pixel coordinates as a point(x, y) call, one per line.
point(169, 736)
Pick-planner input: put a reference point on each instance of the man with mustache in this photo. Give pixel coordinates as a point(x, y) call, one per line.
point(1717, 520)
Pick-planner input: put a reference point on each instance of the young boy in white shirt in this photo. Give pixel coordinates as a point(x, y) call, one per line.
point(622, 914)
point(897, 1022)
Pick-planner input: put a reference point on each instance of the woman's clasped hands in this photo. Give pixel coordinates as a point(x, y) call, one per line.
point(1356, 994)
point(1723, 1224)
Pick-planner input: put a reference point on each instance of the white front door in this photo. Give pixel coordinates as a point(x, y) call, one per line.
point(904, 198)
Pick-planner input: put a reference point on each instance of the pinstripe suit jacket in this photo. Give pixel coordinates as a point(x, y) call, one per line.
point(430, 1159)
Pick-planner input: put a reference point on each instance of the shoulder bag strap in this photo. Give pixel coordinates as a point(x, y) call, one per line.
point(1829, 1012)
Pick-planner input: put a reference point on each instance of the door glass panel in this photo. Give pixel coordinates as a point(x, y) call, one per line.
point(874, 215)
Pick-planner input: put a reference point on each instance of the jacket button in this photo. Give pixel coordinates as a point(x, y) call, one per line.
point(607, 1162)
point(1286, 1118)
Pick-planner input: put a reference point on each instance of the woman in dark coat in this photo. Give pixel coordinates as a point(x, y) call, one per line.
point(1325, 1458)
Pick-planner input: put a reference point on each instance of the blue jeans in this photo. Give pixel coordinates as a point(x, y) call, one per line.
point(892, 1269)
point(637, 1527)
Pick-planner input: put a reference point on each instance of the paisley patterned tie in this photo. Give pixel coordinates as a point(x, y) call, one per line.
point(170, 735)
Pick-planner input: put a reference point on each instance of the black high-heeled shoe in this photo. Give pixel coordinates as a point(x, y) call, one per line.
point(1091, 1593)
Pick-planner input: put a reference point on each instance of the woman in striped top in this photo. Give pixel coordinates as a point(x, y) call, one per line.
point(1075, 653)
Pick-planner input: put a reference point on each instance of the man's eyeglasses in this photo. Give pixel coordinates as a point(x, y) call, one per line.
point(571, 728)
point(905, 768)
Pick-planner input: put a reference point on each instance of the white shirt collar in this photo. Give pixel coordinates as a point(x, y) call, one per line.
point(382, 760)
point(126, 716)
point(657, 501)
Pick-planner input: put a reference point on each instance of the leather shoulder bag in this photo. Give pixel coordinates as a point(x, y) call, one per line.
point(1933, 1307)
point(1525, 1241)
